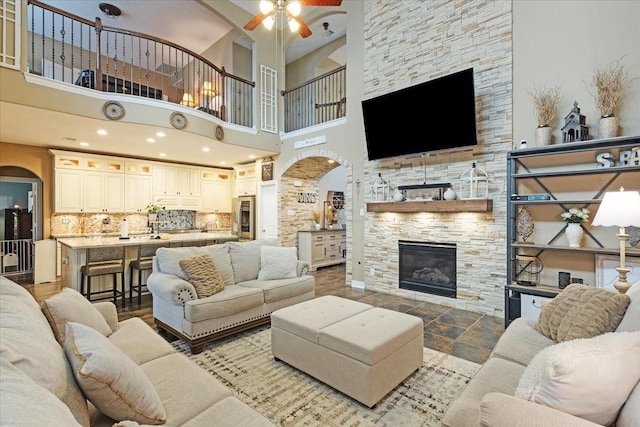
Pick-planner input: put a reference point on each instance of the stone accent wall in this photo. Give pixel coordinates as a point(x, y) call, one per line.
point(407, 43)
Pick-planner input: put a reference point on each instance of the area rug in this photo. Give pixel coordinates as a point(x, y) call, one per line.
point(289, 397)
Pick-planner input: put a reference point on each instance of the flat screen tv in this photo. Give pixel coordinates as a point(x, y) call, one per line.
point(436, 115)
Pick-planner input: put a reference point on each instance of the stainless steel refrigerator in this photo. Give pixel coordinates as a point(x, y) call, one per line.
point(244, 217)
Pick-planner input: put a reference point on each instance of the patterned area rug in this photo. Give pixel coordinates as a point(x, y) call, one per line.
point(289, 397)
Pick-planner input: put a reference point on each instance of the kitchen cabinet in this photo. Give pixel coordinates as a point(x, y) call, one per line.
point(68, 190)
point(216, 190)
point(544, 182)
point(176, 181)
point(138, 192)
point(245, 180)
point(103, 192)
point(321, 248)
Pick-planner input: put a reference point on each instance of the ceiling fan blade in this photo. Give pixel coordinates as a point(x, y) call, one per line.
point(320, 2)
point(304, 29)
point(251, 25)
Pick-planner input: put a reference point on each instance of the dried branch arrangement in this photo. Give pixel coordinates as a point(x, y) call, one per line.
point(609, 82)
point(317, 216)
point(545, 101)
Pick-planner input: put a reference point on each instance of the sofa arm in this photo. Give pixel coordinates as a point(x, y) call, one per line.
point(501, 410)
point(170, 288)
point(109, 312)
point(302, 268)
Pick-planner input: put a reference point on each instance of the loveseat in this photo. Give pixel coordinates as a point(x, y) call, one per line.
point(124, 368)
point(531, 379)
point(259, 277)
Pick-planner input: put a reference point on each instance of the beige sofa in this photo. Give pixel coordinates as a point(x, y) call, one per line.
point(38, 385)
point(489, 399)
point(245, 302)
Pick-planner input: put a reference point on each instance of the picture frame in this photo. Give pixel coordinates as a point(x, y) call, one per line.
point(267, 171)
point(606, 273)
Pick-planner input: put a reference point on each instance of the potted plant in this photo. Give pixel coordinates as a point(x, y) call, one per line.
point(545, 101)
point(609, 83)
point(574, 232)
point(153, 210)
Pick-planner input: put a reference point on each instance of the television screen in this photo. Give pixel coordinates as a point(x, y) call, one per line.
point(436, 115)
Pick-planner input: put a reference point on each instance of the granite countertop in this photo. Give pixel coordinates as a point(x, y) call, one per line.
point(141, 239)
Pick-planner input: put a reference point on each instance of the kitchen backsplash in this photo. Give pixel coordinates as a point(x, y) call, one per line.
point(76, 223)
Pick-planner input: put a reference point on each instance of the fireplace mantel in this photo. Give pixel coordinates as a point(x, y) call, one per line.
point(468, 205)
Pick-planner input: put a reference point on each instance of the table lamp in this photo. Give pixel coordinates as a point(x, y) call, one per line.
point(620, 209)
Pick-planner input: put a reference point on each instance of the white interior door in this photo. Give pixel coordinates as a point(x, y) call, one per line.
point(268, 211)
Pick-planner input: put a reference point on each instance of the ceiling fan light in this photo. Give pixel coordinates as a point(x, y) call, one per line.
point(268, 22)
point(266, 6)
point(294, 8)
point(294, 25)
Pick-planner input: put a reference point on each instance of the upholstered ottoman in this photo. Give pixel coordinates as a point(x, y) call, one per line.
point(360, 350)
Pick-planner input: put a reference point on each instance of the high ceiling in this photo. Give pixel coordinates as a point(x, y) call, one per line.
point(166, 19)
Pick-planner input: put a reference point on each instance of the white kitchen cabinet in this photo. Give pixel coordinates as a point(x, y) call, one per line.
point(321, 248)
point(216, 196)
point(68, 190)
point(176, 181)
point(103, 192)
point(246, 183)
point(138, 192)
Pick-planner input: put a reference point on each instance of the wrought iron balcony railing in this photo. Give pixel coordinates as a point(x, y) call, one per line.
point(74, 50)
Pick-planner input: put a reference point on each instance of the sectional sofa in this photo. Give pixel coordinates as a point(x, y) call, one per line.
point(254, 287)
point(70, 363)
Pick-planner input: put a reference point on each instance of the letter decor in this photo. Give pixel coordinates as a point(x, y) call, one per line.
point(626, 158)
point(307, 197)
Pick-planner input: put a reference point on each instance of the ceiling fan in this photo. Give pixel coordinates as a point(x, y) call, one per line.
point(270, 10)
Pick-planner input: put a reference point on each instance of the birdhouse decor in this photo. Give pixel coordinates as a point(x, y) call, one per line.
point(380, 189)
point(474, 183)
point(575, 128)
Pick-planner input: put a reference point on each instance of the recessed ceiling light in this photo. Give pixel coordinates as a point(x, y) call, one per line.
point(206, 149)
point(251, 156)
point(223, 163)
point(160, 134)
point(151, 140)
point(84, 144)
point(163, 154)
point(102, 132)
point(331, 161)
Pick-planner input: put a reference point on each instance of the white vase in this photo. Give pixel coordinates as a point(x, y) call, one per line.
point(450, 194)
point(609, 127)
point(574, 233)
point(543, 135)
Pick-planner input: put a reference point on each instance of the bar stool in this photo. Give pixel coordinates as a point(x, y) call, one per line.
point(100, 262)
point(143, 262)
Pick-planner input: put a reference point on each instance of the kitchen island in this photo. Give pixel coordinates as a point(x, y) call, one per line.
point(74, 249)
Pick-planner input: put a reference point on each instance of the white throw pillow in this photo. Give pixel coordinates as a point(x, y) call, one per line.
point(277, 262)
point(590, 378)
point(70, 306)
point(110, 379)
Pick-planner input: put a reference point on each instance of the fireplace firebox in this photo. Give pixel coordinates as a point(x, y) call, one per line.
point(428, 267)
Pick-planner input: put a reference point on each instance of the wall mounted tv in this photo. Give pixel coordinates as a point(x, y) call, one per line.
point(436, 115)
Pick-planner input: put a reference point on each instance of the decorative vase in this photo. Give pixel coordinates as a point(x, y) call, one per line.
point(574, 233)
point(609, 126)
point(543, 135)
point(449, 194)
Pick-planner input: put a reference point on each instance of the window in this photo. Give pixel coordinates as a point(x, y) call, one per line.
point(268, 99)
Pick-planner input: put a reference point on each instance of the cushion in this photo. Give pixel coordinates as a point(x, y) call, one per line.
point(590, 378)
point(631, 320)
point(245, 258)
point(277, 262)
point(70, 306)
point(25, 403)
point(111, 380)
point(581, 311)
point(220, 256)
point(169, 258)
point(202, 273)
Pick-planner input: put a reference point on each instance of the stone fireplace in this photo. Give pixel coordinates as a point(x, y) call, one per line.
point(428, 267)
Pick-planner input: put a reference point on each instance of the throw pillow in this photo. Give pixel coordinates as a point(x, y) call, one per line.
point(110, 379)
point(70, 306)
point(581, 311)
point(631, 320)
point(203, 274)
point(277, 262)
point(590, 378)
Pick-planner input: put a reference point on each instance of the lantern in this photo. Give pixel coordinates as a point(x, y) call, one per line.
point(380, 189)
point(474, 183)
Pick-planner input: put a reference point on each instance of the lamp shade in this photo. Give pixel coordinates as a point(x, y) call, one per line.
point(187, 100)
point(620, 209)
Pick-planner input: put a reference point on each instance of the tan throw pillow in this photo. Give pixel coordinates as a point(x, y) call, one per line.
point(202, 273)
point(70, 306)
point(110, 379)
point(590, 378)
point(278, 263)
point(581, 311)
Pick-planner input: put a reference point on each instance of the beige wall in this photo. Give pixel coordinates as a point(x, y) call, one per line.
point(561, 43)
point(39, 161)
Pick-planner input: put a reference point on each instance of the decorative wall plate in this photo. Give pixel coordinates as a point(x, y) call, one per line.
point(178, 120)
point(219, 132)
point(113, 110)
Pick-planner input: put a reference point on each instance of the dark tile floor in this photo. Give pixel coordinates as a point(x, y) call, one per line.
point(461, 333)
